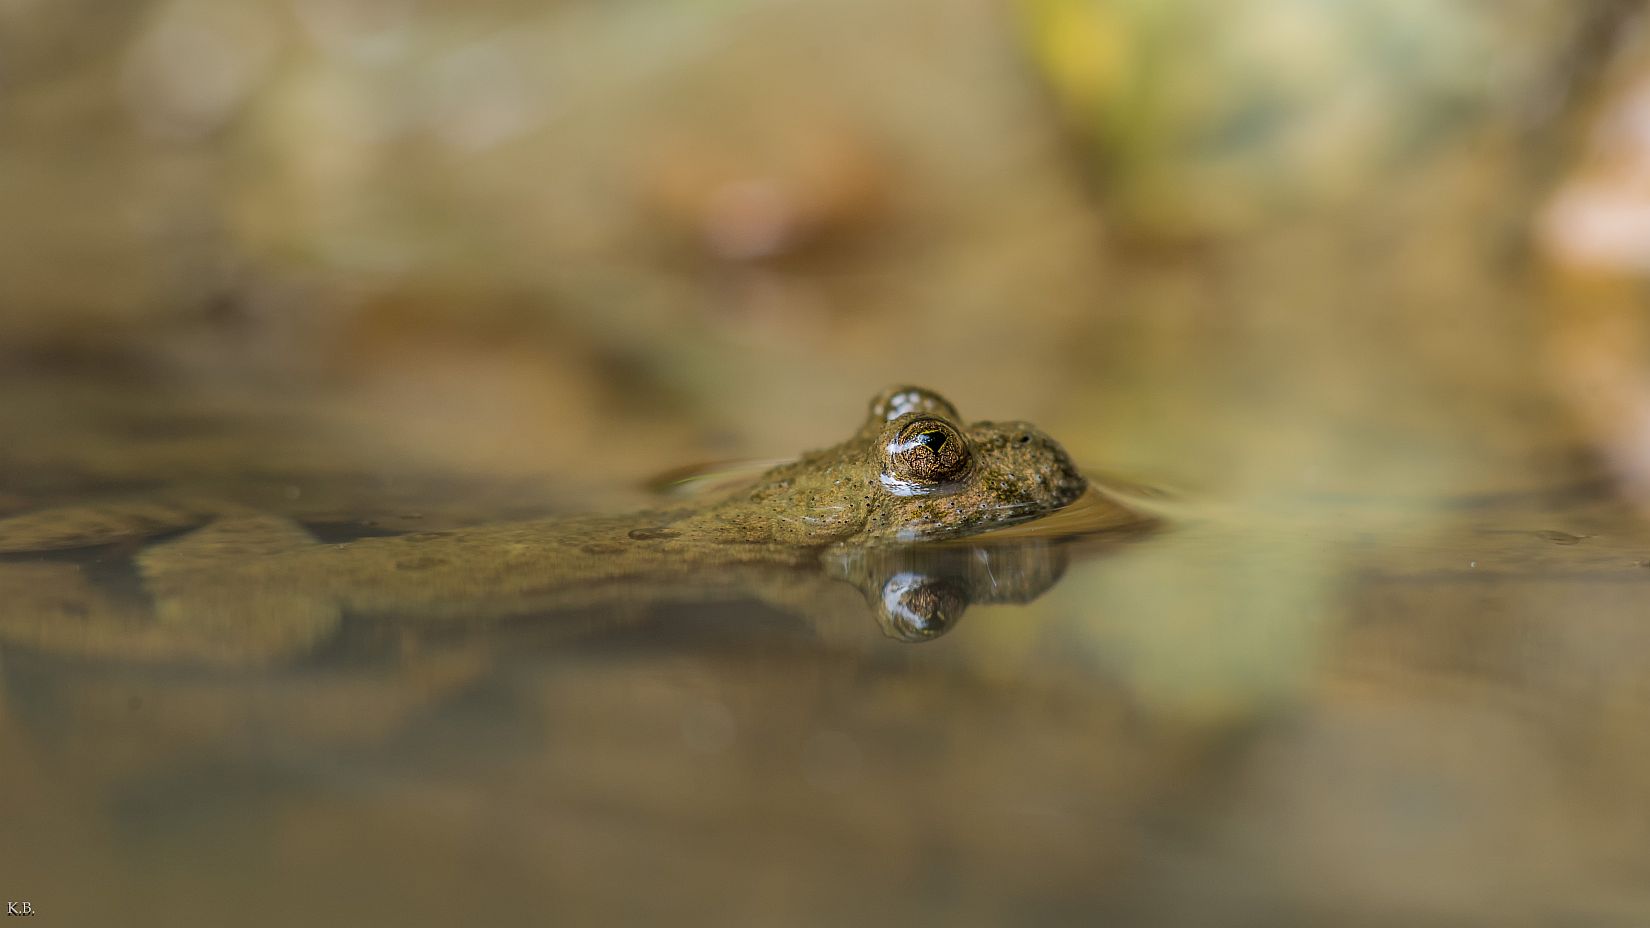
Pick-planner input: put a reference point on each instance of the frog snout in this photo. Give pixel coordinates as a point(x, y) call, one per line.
point(1061, 477)
point(1030, 464)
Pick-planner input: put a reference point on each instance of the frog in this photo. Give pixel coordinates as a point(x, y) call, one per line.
point(892, 513)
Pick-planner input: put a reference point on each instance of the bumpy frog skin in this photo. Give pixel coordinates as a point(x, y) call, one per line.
point(861, 492)
point(249, 585)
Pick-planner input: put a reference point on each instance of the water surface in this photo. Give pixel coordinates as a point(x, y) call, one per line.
point(1346, 709)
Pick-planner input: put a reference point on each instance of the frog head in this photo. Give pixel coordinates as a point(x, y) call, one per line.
point(938, 478)
point(914, 471)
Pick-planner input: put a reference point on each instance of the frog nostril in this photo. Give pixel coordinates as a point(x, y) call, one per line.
point(1023, 438)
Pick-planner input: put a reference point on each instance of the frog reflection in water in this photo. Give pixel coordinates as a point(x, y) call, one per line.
point(247, 585)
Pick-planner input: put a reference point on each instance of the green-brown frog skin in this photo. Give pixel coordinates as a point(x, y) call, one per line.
point(831, 496)
point(251, 582)
point(838, 495)
point(828, 498)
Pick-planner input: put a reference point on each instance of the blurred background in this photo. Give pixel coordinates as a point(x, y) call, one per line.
point(1401, 241)
point(1278, 252)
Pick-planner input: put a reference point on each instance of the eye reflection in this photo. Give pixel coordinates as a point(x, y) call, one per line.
point(919, 593)
point(916, 607)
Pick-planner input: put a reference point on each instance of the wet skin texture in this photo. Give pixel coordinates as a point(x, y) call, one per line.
point(247, 584)
point(912, 472)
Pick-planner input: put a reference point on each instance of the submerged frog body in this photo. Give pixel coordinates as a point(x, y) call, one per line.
point(246, 583)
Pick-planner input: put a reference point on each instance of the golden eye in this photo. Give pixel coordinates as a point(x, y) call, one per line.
point(927, 451)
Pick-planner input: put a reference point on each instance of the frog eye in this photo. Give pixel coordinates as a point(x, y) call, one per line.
point(925, 452)
point(894, 402)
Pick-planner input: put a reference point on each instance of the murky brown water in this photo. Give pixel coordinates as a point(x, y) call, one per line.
point(1351, 710)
